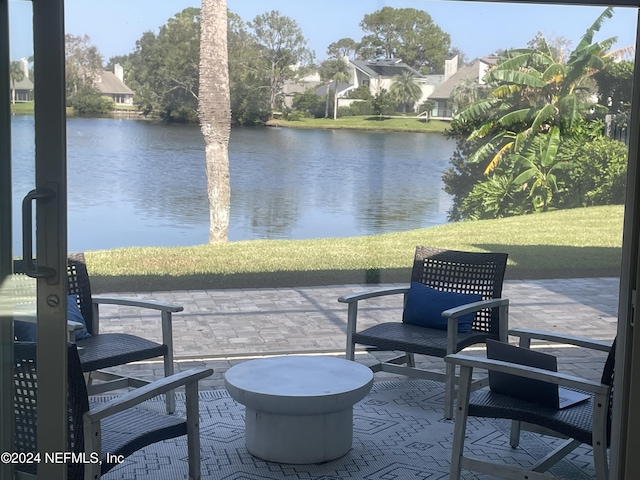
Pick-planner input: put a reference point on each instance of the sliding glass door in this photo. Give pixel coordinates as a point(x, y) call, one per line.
point(33, 209)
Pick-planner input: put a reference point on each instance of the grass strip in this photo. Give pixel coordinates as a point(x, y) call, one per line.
point(404, 124)
point(582, 242)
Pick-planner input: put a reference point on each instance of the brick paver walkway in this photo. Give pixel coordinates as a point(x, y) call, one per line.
point(219, 328)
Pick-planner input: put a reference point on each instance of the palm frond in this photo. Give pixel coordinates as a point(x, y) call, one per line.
point(519, 78)
point(587, 38)
point(525, 176)
point(498, 156)
point(478, 109)
point(547, 112)
point(516, 116)
point(513, 63)
point(551, 148)
point(506, 90)
point(554, 70)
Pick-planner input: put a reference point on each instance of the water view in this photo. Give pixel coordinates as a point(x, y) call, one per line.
point(138, 183)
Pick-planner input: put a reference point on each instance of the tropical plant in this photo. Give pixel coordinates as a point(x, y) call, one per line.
point(540, 164)
point(17, 75)
point(405, 89)
point(533, 92)
point(334, 71)
point(496, 196)
point(215, 114)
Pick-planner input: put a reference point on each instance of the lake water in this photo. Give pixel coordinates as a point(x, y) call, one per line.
point(138, 183)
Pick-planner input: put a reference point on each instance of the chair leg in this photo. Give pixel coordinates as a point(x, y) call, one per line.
point(352, 315)
point(171, 394)
point(599, 437)
point(514, 438)
point(167, 339)
point(460, 426)
point(449, 390)
point(193, 430)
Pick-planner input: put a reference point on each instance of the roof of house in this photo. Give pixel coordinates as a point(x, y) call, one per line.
point(322, 90)
point(384, 68)
point(24, 84)
point(443, 91)
point(110, 84)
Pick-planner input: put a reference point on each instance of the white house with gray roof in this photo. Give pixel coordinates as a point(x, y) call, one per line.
point(378, 75)
point(112, 85)
point(476, 70)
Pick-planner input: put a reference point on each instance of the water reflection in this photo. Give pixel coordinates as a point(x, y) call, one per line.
point(142, 183)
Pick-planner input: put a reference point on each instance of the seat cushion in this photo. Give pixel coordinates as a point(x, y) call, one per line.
point(425, 305)
point(574, 422)
point(127, 432)
point(112, 349)
point(405, 337)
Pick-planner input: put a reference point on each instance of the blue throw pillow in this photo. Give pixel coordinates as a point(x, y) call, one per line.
point(74, 314)
point(425, 305)
point(27, 331)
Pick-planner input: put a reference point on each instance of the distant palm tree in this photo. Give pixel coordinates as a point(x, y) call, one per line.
point(17, 75)
point(334, 71)
point(405, 89)
point(467, 92)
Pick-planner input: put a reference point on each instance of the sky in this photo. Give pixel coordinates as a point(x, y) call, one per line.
point(476, 28)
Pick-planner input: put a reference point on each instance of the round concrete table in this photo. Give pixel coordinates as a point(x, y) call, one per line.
point(299, 409)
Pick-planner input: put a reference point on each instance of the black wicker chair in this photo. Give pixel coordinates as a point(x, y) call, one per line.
point(112, 427)
point(447, 271)
point(105, 350)
point(587, 422)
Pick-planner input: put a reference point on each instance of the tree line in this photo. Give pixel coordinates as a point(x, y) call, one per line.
point(263, 53)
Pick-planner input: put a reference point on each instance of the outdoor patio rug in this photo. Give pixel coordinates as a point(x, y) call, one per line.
point(399, 434)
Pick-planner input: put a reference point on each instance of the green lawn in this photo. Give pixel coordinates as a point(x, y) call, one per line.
point(570, 243)
point(406, 124)
point(22, 107)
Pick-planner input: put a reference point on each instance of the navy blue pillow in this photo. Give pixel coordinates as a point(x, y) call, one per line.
point(425, 305)
point(27, 331)
point(74, 314)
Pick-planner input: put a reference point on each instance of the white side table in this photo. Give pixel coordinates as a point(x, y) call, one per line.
point(299, 409)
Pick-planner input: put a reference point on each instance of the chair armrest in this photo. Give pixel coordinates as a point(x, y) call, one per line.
point(529, 334)
point(379, 292)
point(144, 393)
point(135, 302)
point(529, 372)
point(474, 307)
point(73, 326)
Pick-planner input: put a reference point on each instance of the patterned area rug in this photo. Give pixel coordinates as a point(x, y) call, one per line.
point(399, 434)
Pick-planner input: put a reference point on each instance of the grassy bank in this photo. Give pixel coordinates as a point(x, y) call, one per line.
point(405, 124)
point(22, 107)
point(570, 243)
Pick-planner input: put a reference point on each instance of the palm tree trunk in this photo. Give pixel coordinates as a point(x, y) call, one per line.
point(214, 111)
point(335, 102)
point(326, 101)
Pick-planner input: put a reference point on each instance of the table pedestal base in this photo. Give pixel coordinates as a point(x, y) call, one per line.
point(299, 439)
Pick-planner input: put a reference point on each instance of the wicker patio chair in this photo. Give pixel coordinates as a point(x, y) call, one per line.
point(105, 350)
point(587, 422)
point(466, 273)
point(113, 427)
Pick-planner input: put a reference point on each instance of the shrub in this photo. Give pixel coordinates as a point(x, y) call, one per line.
point(90, 101)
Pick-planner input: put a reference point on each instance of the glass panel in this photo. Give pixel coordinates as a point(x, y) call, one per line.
point(17, 178)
